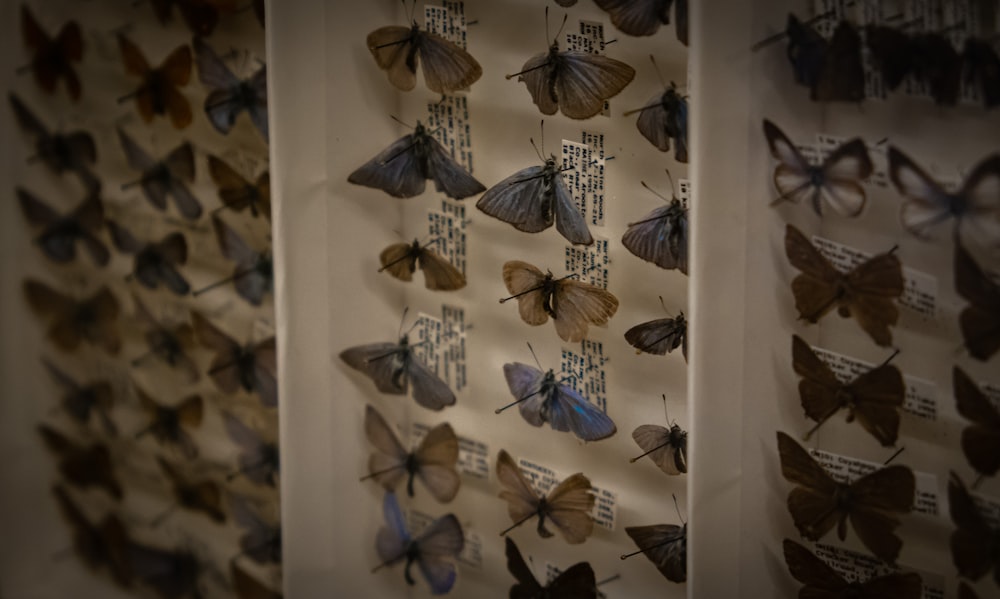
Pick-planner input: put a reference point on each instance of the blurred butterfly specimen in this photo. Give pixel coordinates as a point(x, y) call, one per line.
point(533, 198)
point(402, 169)
point(659, 336)
point(566, 3)
point(573, 305)
point(259, 10)
point(200, 16)
point(981, 70)
point(637, 17)
point(73, 152)
point(974, 540)
point(82, 401)
point(665, 117)
point(248, 587)
point(837, 181)
point(203, 496)
point(928, 57)
point(156, 261)
point(394, 367)
point(52, 59)
point(871, 502)
point(82, 467)
point(892, 53)
point(575, 82)
point(229, 95)
point(434, 550)
point(252, 367)
point(866, 292)
point(980, 320)
point(666, 447)
point(158, 94)
point(165, 177)
point(73, 321)
point(665, 545)
point(661, 237)
point(541, 398)
point(259, 460)
point(822, 581)
point(576, 582)
point(966, 592)
point(975, 207)
point(981, 439)
point(101, 545)
point(60, 234)
point(398, 50)
point(239, 194)
point(172, 345)
point(433, 461)
point(567, 506)
point(253, 276)
point(401, 260)
point(874, 397)
point(170, 425)
point(261, 541)
point(170, 574)
point(832, 70)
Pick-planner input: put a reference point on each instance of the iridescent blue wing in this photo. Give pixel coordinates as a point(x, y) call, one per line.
point(570, 411)
point(439, 545)
point(519, 200)
point(393, 538)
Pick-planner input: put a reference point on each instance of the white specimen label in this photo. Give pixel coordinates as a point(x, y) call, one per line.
point(447, 229)
point(448, 119)
point(589, 263)
point(447, 20)
point(583, 370)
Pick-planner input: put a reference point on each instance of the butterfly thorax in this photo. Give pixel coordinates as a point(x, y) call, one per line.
point(400, 357)
point(157, 85)
point(843, 500)
point(166, 345)
point(412, 555)
point(265, 265)
point(411, 52)
point(547, 390)
point(150, 257)
point(65, 227)
point(412, 256)
point(55, 151)
point(246, 364)
point(270, 458)
point(556, 62)
point(84, 316)
point(422, 141)
point(549, 173)
point(79, 404)
point(543, 508)
point(847, 399)
point(167, 425)
point(411, 464)
point(245, 96)
point(188, 496)
point(158, 174)
point(548, 290)
point(670, 100)
point(50, 58)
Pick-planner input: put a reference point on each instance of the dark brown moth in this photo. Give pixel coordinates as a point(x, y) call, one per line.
point(865, 293)
point(203, 495)
point(576, 582)
point(82, 466)
point(870, 503)
point(981, 439)
point(71, 321)
point(251, 367)
point(98, 545)
point(873, 398)
point(52, 58)
point(659, 336)
point(402, 259)
point(72, 151)
point(239, 194)
point(567, 506)
point(170, 425)
point(974, 541)
point(160, 178)
point(663, 544)
point(159, 92)
point(820, 581)
point(980, 320)
point(399, 50)
point(59, 234)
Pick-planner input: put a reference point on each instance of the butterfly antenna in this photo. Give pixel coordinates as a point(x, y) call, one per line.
point(889, 359)
point(655, 193)
point(608, 579)
point(517, 295)
point(395, 118)
point(893, 456)
point(665, 415)
point(514, 403)
point(381, 472)
point(518, 523)
point(561, 25)
point(532, 350)
point(639, 457)
point(783, 34)
point(217, 284)
point(143, 357)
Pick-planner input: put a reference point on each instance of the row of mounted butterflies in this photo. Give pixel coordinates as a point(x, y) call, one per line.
point(834, 69)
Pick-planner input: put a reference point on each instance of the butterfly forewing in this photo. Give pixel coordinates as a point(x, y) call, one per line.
point(398, 50)
point(576, 82)
point(661, 237)
point(665, 545)
point(637, 17)
point(980, 320)
point(666, 447)
point(981, 439)
point(659, 336)
point(974, 541)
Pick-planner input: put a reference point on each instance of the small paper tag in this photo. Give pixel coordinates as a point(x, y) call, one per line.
point(585, 369)
point(576, 159)
point(448, 119)
point(858, 567)
point(448, 21)
point(845, 469)
point(545, 479)
point(594, 172)
point(590, 262)
point(453, 351)
point(426, 339)
point(447, 229)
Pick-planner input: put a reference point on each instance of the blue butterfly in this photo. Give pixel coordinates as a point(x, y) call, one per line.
point(544, 399)
point(434, 550)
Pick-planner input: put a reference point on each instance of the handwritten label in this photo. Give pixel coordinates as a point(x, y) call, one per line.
point(576, 159)
point(594, 173)
point(684, 191)
point(545, 479)
point(447, 20)
point(440, 343)
point(448, 119)
point(845, 470)
point(472, 552)
point(921, 394)
point(858, 567)
point(920, 289)
point(447, 229)
point(426, 339)
point(585, 369)
point(590, 262)
point(473, 456)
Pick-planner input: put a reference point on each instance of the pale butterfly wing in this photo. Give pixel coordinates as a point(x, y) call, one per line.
point(569, 505)
point(520, 277)
point(584, 81)
point(579, 305)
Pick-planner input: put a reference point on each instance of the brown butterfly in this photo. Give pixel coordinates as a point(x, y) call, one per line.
point(161, 178)
point(575, 582)
point(573, 305)
point(169, 425)
point(53, 59)
point(823, 582)
point(819, 503)
point(663, 544)
point(866, 292)
point(659, 336)
point(401, 260)
point(252, 367)
point(248, 587)
point(71, 321)
point(873, 397)
point(203, 496)
point(83, 467)
point(979, 321)
point(974, 541)
point(172, 345)
point(567, 506)
point(666, 447)
point(158, 93)
point(155, 262)
point(398, 50)
point(97, 545)
point(433, 462)
point(239, 194)
point(80, 401)
point(981, 439)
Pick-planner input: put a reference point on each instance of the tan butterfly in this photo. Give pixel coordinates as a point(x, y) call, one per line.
point(202, 495)
point(238, 193)
point(401, 260)
point(819, 503)
point(158, 93)
point(866, 292)
point(567, 506)
point(573, 305)
point(71, 321)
